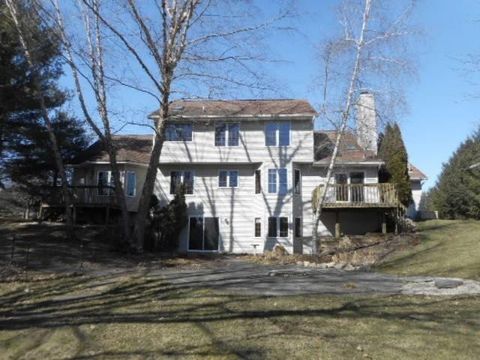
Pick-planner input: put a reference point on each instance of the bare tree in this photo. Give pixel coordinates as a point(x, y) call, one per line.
point(370, 53)
point(89, 53)
point(180, 46)
point(22, 29)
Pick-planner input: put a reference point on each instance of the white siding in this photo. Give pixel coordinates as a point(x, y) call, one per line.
point(417, 196)
point(236, 208)
point(251, 147)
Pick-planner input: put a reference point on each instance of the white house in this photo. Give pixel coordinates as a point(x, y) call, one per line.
point(249, 168)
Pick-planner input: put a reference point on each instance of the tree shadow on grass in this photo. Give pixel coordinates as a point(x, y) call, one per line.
point(139, 300)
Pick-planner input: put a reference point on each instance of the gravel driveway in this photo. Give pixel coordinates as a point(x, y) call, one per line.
point(238, 276)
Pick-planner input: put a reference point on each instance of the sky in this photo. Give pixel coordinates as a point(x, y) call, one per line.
point(442, 109)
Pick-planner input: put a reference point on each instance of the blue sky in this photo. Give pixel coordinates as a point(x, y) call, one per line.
point(441, 109)
point(442, 112)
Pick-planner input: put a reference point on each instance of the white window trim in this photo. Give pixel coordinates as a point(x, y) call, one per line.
point(183, 175)
point(228, 179)
point(227, 133)
point(278, 227)
point(277, 182)
point(203, 231)
point(277, 134)
point(180, 141)
point(127, 183)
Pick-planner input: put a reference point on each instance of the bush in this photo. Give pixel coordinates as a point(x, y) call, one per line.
point(169, 221)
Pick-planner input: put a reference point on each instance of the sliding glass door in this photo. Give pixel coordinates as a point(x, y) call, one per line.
point(203, 234)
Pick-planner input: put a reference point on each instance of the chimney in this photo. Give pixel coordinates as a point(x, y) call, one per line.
point(367, 122)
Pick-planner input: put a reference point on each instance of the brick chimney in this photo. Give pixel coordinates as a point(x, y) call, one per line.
point(367, 133)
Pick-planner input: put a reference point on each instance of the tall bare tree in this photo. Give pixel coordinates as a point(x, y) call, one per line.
point(29, 51)
point(181, 45)
point(88, 53)
point(371, 53)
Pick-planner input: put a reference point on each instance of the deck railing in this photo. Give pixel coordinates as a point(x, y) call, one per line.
point(358, 195)
point(82, 195)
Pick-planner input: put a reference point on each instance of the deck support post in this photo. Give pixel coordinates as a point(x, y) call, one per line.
point(337, 224)
point(384, 223)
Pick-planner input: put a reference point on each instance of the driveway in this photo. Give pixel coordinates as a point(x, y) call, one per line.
point(242, 277)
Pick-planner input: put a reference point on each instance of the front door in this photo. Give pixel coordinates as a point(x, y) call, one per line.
point(203, 234)
point(357, 179)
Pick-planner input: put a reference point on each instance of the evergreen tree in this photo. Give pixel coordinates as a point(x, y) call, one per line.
point(25, 151)
point(392, 150)
point(172, 219)
point(456, 194)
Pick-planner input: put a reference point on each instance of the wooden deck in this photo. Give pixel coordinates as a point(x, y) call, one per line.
point(82, 196)
point(357, 196)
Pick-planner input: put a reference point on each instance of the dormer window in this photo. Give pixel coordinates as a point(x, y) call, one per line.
point(227, 134)
point(178, 132)
point(277, 133)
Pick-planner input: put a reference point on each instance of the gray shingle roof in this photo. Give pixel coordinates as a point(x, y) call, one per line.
point(240, 108)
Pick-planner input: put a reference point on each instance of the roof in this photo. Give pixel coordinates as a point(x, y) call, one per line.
point(415, 173)
point(130, 148)
point(349, 150)
point(240, 108)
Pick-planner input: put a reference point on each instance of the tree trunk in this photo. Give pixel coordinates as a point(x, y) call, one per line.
point(46, 119)
point(148, 187)
point(344, 122)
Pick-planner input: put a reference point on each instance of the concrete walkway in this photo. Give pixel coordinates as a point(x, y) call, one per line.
point(242, 277)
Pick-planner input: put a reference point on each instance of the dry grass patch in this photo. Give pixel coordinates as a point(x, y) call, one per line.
point(127, 317)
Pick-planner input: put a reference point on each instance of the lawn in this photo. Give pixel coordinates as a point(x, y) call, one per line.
point(137, 314)
point(447, 248)
point(138, 317)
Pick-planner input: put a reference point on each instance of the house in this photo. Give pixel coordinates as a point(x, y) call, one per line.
point(417, 178)
point(249, 168)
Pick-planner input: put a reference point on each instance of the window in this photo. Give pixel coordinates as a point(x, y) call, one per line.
point(278, 226)
point(272, 181)
point(204, 234)
point(298, 227)
point(272, 227)
point(297, 181)
point(131, 183)
point(284, 133)
point(178, 132)
point(228, 178)
point(227, 134)
point(277, 133)
point(277, 183)
point(258, 227)
point(271, 134)
point(258, 182)
point(282, 181)
point(283, 227)
point(233, 134)
point(104, 183)
point(178, 178)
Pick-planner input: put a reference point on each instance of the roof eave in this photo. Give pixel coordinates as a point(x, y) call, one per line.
point(306, 116)
point(349, 163)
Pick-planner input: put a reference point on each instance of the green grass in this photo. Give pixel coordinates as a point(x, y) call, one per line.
point(447, 248)
point(137, 317)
